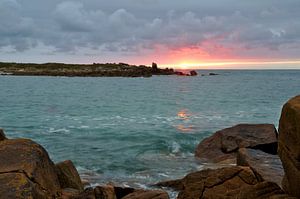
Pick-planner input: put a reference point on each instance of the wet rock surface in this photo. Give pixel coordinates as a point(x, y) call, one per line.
point(267, 165)
point(223, 145)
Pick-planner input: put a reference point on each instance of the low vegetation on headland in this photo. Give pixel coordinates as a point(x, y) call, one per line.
point(82, 70)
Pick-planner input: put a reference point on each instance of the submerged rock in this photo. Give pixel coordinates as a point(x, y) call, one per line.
point(223, 145)
point(68, 175)
point(267, 165)
point(289, 145)
point(212, 74)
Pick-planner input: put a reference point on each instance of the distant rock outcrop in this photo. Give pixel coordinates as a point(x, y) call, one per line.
point(289, 145)
point(223, 145)
point(193, 73)
point(211, 74)
point(190, 73)
point(154, 67)
point(82, 70)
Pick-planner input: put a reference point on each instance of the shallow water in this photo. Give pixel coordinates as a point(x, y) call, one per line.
point(137, 131)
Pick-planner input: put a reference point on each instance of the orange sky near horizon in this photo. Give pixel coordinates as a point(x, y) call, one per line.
point(210, 55)
point(237, 65)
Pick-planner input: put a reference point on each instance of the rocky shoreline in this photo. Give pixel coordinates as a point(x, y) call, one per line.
point(82, 70)
point(258, 162)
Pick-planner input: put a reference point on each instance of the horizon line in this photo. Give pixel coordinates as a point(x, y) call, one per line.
point(202, 65)
point(207, 65)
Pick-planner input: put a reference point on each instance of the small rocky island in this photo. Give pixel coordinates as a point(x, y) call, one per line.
point(254, 162)
point(82, 70)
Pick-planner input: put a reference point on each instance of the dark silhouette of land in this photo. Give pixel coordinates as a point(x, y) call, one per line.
point(82, 70)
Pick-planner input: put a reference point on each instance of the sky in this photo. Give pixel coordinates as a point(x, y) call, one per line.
point(175, 33)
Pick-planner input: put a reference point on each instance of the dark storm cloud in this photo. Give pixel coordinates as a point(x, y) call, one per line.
point(15, 30)
point(137, 25)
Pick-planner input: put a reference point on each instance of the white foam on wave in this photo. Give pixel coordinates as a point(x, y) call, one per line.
point(163, 175)
point(142, 186)
point(62, 130)
point(175, 147)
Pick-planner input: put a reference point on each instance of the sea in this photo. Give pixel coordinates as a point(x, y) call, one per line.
point(138, 131)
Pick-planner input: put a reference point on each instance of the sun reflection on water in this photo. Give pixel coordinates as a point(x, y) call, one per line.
point(184, 128)
point(184, 116)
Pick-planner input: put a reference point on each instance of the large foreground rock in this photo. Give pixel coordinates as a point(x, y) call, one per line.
point(289, 145)
point(24, 163)
point(226, 183)
point(224, 144)
point(219, 183)
point(267, 165)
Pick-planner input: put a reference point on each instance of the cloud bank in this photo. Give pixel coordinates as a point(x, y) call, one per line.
point(141, 30)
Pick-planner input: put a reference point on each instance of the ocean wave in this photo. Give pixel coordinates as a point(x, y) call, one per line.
point(62, 130)
point(175, 147)
point(84, 127)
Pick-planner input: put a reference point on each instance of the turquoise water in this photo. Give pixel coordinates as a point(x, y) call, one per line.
point(138, 131)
